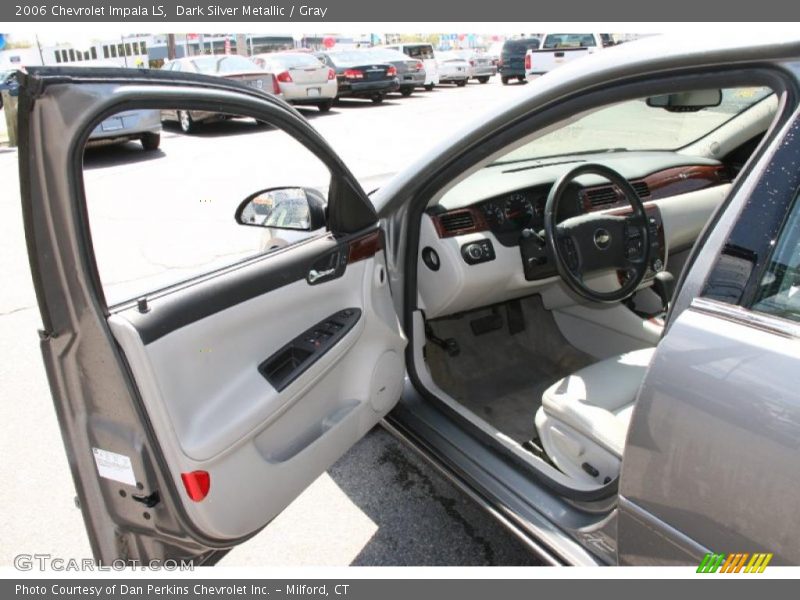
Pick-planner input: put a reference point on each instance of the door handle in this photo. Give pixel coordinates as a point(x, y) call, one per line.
point(314, 275)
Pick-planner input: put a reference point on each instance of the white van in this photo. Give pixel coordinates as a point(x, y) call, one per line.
point(424, 53)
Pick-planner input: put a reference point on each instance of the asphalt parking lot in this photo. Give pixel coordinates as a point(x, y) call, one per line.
point(378, 505)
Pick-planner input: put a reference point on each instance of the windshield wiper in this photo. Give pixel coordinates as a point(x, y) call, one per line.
point(581, 153)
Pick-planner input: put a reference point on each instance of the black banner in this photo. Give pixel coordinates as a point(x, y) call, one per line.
point(400, 11)
point(731, 588)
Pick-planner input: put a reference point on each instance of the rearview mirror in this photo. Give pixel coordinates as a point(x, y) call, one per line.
point(687, 101)
point(301, 209)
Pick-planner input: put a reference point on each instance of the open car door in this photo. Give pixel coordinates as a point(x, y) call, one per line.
point(192, 416)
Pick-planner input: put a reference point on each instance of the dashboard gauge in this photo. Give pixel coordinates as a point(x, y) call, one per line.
point(519, 211)
point(494, 214)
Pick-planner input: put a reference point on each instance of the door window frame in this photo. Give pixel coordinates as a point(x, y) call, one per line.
point(243, 102)
point(474, 152)
point(756, 231)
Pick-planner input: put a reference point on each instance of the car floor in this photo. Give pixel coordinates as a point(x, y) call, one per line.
point(500, 376)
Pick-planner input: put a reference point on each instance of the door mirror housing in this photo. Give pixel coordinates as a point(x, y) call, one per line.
point(686, 101)
point(296, 208)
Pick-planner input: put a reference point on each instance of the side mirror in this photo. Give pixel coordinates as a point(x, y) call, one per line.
point(687, 101)
point(300, 209)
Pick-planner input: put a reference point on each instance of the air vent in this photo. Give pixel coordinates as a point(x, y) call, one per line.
point(607, 195)
point(457, 221)
point(641, 188)
point(602, 196)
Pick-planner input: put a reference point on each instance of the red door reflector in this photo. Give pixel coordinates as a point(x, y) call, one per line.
point(197, 484)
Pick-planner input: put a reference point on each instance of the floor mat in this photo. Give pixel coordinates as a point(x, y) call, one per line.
point(499, 376)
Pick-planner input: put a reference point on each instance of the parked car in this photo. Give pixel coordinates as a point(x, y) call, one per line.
point(410, 71)
point(303, 79)
point(425, 53)
point(559, 48)
point(229, 66)
point(494, 52)
point(481, 66)
point(582, 308)
point(359, 76)
point(452, 68)
point(512, 58)
point(8, 82)
point(141, 125)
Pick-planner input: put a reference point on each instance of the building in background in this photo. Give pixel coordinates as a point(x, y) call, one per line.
point(146, 50)
point(125, 51)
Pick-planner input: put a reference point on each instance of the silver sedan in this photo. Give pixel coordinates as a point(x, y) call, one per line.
point(302, 78)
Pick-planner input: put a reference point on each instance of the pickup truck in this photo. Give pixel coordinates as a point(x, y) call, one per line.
point(559, 48)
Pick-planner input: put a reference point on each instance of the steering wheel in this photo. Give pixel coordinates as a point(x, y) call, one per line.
point(594, 242)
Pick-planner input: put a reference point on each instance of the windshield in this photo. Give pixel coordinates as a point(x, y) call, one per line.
point(387, 55)
point(350, 59)
point(568, 40)
point(232, 63)
point(633, 125)
point(465, 54)
point(422, 52)
point(294, 61)
point(521, 46)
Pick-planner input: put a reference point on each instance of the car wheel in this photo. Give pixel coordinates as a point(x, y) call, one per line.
point(325, 106)
point(483, 80)
point(522, 80)
point(377, 98)
point(407, 91)
point(504, 79)
point(461, 83)
point(151, 141)
point(186, 121)
point(429, 87)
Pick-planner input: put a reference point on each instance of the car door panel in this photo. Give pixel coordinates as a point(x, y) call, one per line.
point(171, 385)
point(732, 437)
point(214, 410)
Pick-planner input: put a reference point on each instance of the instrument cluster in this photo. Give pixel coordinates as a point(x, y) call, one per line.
point(508, 215)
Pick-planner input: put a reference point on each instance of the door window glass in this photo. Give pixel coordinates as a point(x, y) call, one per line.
point(779, 290)
point(758, 264)
point(162, 201)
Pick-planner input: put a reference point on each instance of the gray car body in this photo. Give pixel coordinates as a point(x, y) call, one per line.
point(655, 514)
point(407, 73)
point(130, 125)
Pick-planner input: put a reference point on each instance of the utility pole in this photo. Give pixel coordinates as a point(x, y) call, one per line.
point(241, 44)
point(39, 46)
point(171, 54)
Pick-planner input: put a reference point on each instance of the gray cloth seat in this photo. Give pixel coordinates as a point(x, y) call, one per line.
point(584, 417)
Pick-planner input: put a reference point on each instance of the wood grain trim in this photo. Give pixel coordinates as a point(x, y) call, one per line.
point(479, 222)
point(665, 183)
point(364, 247)
point(681, 180)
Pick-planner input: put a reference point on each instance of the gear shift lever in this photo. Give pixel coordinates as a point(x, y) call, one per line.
point(664, 286)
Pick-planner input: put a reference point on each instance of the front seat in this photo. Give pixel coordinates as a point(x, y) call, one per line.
point(584, 417)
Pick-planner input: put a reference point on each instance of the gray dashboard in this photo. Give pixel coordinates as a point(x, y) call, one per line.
point(505, 178)
point(681, 190)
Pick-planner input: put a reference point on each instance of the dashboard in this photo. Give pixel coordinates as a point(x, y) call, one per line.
point(506, 216)
point(480, 227)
